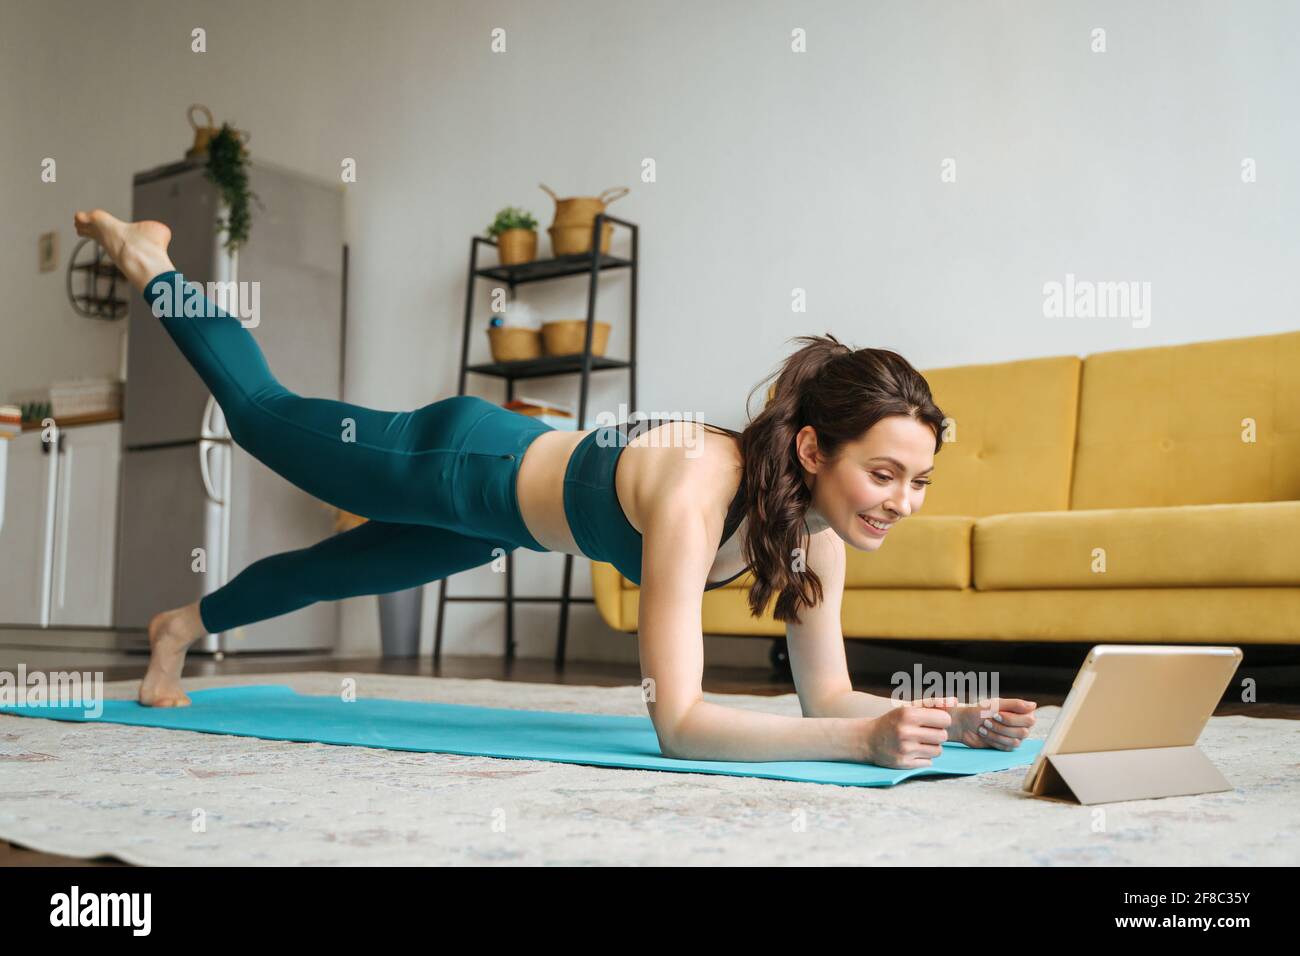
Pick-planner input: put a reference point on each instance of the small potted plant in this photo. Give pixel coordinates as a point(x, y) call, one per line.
point(515, 232)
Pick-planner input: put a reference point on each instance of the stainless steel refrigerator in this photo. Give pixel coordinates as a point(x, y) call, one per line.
point(184, 485)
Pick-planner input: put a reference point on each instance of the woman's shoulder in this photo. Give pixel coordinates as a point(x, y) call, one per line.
point(692, 451)
point(682, 461)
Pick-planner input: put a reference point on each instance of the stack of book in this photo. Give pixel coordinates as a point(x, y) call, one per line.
point(553, 414)
point(11, 421)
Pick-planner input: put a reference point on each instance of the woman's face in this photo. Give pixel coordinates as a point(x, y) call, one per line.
point(882, 477)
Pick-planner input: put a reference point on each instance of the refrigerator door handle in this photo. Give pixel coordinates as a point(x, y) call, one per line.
point(51, 448)
point(206, 445)
point(61, 548)
point(213, 424)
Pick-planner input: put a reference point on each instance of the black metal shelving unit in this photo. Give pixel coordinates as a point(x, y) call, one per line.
point(583, 364)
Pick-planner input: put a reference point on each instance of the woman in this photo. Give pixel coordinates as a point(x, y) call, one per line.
point(842, 453)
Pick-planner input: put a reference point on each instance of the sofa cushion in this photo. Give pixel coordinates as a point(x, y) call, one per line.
point(1172, 425)
point(1224, 545)
point(919, 552)
point(1010, 442)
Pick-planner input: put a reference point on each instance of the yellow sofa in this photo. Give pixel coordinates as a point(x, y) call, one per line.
point(1143, 495)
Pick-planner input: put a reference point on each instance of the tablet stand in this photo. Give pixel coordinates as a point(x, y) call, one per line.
point(1114, 775)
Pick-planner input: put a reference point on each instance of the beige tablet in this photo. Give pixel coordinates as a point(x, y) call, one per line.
point(1129, 726)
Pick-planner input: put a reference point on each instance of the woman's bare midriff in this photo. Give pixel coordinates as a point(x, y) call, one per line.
point(541, 492)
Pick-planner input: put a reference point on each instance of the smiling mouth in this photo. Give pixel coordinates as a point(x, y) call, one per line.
point(880, 528)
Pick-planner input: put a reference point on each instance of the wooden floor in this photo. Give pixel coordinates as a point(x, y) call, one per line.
point(1041, 674)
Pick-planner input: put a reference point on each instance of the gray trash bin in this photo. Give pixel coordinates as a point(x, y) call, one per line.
point(399, 622)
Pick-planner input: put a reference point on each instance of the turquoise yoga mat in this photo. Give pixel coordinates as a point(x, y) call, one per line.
point(278, 712)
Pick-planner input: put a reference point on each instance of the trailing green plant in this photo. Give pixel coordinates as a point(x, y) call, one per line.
point(511, 217)
point(228, 169)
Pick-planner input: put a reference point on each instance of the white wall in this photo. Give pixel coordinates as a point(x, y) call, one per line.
point(776, 170)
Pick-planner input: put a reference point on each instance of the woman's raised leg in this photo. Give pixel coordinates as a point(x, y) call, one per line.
point(390, 466)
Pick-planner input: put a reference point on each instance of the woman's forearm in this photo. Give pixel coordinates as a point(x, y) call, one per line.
point(713, 732)
point(855, 703)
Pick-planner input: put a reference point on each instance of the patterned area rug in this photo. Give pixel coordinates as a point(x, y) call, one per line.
point(153, 796)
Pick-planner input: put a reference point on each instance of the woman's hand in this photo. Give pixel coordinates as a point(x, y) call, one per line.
point(1000, 723)
point(910, 735)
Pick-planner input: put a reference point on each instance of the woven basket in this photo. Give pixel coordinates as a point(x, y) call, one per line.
point(514, 345)
point(576, 240)
point(581, 210)
point(565, 337)
point(515, 246)
point(203, 134)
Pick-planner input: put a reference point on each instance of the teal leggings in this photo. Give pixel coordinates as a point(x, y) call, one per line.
point(437, 483)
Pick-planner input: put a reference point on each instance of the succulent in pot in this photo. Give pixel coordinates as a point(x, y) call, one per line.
point(515, 232)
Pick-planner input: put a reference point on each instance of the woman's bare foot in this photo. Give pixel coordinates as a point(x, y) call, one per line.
point(170, 634)
point(138, 248)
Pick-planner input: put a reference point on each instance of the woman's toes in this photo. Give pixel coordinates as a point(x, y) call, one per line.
point(95, 224)
point(165, 699)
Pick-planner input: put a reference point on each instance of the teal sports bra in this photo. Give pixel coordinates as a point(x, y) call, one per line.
point(597, 520)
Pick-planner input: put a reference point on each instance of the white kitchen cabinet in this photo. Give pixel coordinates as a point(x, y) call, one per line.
point(58, 542)
point(85, 526)
point(22, 539)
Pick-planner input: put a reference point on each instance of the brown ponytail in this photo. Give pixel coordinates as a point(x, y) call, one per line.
point(841, 392)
